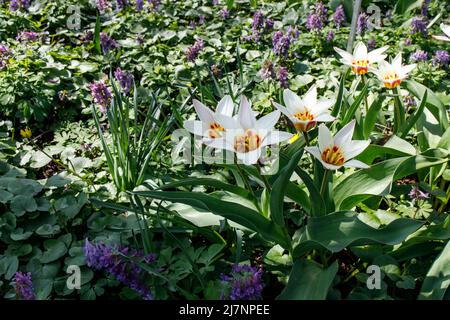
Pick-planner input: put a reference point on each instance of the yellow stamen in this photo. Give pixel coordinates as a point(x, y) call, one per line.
point(304, 116)
point(333, 155)
point(247, 142)
point(215, 130)
point(391, 79)
point(360, 66)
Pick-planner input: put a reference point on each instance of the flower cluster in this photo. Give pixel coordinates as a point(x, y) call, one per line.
point(269, 71)
point(193, 51)
point(317, 17)
point(419, 55)
point(102, 5)
point(339, 16)
point(419, 26)
point(417, 194)
point(244, 283)
point(101, 94)
point(28, 36)
point(441, 58)
point(281, 41)
point(16, 4)
point(24, 286)
point(125, 79)
point(224, 13)
point(118, 261)
point(107, 42)
point(361, 61)
point(363, 23)
point(5, 53)
point(424, 8)
point(259, 25)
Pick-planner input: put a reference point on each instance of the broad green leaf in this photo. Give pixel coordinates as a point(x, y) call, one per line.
point(433, 103)
point(341, 229)
point(372, 115)
point(235, 212)
point(437, 281)
point(55, 250)
point(308, 280)
point(279, 189)
point(378, 179)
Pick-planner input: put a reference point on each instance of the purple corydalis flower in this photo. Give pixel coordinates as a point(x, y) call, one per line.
point(244, 283)
point(101, 94)
point(424, 9)
point(330, 36)
point(408, 41)
point(441, 58)
point(224, 13)
point(409, 101)
point(28, 36)
point(313, 22)
point(281, 42)
point(24, 286)
point(258, 20)
point(107, 42)
point(122, 4)
point(371, 44)
point(362, 23)
point(419, 25)
point(125, 79)
point(193, 51)
point(283, 77)
point(215, 2)
point(14, 5)
point(201, 20)
point(419, 55)
point(417, 194)
point(321, 11)
point(111, 258)
point(267, 71)
point(87, 37)
point(339, 16)
point(139, 5)
point(102, 5)
point(154, 4)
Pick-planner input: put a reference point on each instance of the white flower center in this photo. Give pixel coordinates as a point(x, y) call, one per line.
point(247, 142)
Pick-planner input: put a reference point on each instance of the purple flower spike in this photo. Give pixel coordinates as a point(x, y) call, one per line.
point(362, 23)
point(111, 258)
point(107, 43)
point(24, 286)
point(101, 94)
point(419, 55)
point(244, 283)
point(441, 58)
point(339, 16)
point(125, 79)
point(283, 77)
point(419, 25)
point(193, 51)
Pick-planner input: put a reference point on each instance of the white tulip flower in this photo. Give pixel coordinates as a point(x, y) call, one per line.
point(361, 60)
point(246, 136)
point(305, 113)
point(339, 151)
point(392, 74)
point(208, 126)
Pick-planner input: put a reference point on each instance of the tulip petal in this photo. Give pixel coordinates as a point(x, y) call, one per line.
point(219, 143)
point(310, 98)
point(322, 106)
point(446, 29)
point(314, 151)
point(325, 138)
point(354, 148)
point(377, 54)
point(275, 137)
point(360, 52)
point(225, 106)
point(246, 116)
point(268, 121)
point(250, 157)
point(347, 58)
point(292, 101)
point(344, 136)
point(283, 109)
point(325, 117)
point(204, 113)
point(195, 127)
point(356, 164)
point(227, 122)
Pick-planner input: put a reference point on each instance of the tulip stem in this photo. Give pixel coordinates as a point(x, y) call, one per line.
point(323, 186)
point(398, 115)
point(366, 103)
point(263, 177)
point(305, 134)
